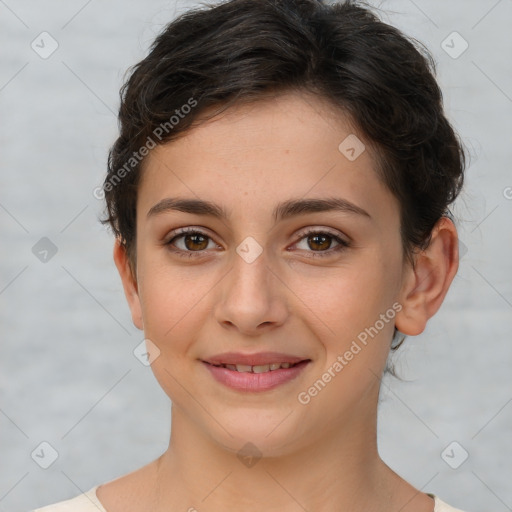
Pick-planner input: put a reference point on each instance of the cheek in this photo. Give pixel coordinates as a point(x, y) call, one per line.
point(345, 300)
point(172, 299)
point(168, 305)
point(172, 312)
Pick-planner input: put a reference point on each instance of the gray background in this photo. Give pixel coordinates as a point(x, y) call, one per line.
point(68, 373)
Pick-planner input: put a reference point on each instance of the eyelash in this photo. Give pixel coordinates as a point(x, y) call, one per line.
point(343, 244)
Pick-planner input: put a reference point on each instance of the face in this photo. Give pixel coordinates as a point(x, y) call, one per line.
point(315, 284)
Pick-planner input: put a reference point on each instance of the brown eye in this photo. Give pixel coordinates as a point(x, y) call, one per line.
point(195, 242)
point(320, 243)
point(189, 241)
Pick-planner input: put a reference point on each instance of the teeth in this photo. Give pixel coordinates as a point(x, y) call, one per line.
point(244, 368)
point(261, 368)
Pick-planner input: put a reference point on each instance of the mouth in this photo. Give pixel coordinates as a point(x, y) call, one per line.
point(255, 372)
point(261, 368)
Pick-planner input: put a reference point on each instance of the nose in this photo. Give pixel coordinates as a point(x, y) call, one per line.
point(252, 298)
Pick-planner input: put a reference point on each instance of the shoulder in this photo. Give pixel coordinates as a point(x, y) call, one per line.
point(441, 506)
point(85, 502)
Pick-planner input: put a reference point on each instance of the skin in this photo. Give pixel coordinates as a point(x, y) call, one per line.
point(321, 456)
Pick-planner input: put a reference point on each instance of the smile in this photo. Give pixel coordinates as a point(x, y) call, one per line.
point(244, 368)
point(255, 378)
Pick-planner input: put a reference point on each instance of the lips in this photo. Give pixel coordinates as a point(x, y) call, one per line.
point(255, 372)
point(254, 381)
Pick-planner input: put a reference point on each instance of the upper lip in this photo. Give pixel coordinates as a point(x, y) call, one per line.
point(260, 358)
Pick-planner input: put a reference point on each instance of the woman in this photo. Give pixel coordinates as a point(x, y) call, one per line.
point(279, 193)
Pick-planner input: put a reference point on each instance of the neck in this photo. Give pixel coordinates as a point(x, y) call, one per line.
point(339, 470)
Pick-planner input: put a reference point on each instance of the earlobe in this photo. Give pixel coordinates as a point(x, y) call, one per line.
point(129, 281)
point(426, 285)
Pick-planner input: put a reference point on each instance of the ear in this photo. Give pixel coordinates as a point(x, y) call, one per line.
point(425, 286)
point(129, 283)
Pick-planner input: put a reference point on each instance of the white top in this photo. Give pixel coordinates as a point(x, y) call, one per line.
point(89, 502)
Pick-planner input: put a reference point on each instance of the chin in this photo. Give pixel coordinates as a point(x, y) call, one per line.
point(267, 435)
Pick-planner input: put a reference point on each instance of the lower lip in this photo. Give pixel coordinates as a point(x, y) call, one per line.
point(248, 381)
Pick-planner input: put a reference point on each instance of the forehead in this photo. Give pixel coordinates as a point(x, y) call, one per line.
point(278, 122)
point(255, 155)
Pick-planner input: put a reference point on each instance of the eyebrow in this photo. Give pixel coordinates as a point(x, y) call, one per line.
point(285, 210)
